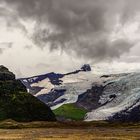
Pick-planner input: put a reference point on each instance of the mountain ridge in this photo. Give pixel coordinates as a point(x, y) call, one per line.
point(96, 94)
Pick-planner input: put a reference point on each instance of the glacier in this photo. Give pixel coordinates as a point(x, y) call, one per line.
point(127, 97)
point(105, 97)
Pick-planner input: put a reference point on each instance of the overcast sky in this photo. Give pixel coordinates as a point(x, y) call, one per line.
point(40, 36)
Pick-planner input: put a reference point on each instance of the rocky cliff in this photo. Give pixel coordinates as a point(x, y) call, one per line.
point(17, 104)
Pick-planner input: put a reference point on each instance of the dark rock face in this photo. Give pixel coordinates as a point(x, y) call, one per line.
point(89, 100)
point(55, 79)
point(86, 67)
point(50, 98)
point(17, 104)
point(128, 116)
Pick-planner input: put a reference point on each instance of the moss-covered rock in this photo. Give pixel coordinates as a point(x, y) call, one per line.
point(17, 104)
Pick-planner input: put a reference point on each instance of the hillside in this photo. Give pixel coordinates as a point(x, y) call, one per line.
point(17, 104)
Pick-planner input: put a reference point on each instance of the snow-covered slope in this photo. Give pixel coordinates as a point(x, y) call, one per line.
point(107, 97)
point(58, 89)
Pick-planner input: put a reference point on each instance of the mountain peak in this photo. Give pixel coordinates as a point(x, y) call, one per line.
point(86, 67)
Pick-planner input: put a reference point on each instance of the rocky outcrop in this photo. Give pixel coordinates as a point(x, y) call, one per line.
point(5, 74)
point(89, 99)
point(86, 67)
point(17, 104)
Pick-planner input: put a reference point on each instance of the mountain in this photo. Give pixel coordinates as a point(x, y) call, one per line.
point(17, 104)
point(82, 95)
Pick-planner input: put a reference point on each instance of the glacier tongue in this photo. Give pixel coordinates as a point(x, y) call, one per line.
point(73, 90)
point(126, 91)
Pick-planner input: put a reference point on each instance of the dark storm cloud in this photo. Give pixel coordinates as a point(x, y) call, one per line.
point(82, 27)
point(103, 49)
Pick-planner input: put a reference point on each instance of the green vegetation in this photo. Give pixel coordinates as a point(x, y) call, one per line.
point(21, 106)
point(70, 111)
point(17, 104)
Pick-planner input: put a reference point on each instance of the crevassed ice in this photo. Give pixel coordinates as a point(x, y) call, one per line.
point(127, 97)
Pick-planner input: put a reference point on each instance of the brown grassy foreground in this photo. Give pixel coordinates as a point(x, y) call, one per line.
point(11, 130)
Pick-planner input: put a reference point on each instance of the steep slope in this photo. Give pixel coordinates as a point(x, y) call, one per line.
point(17, 104)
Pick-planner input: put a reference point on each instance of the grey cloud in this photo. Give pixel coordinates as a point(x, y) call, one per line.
point(79, 26)
point(131, 8)
point(104, 49)
point(11, 19)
